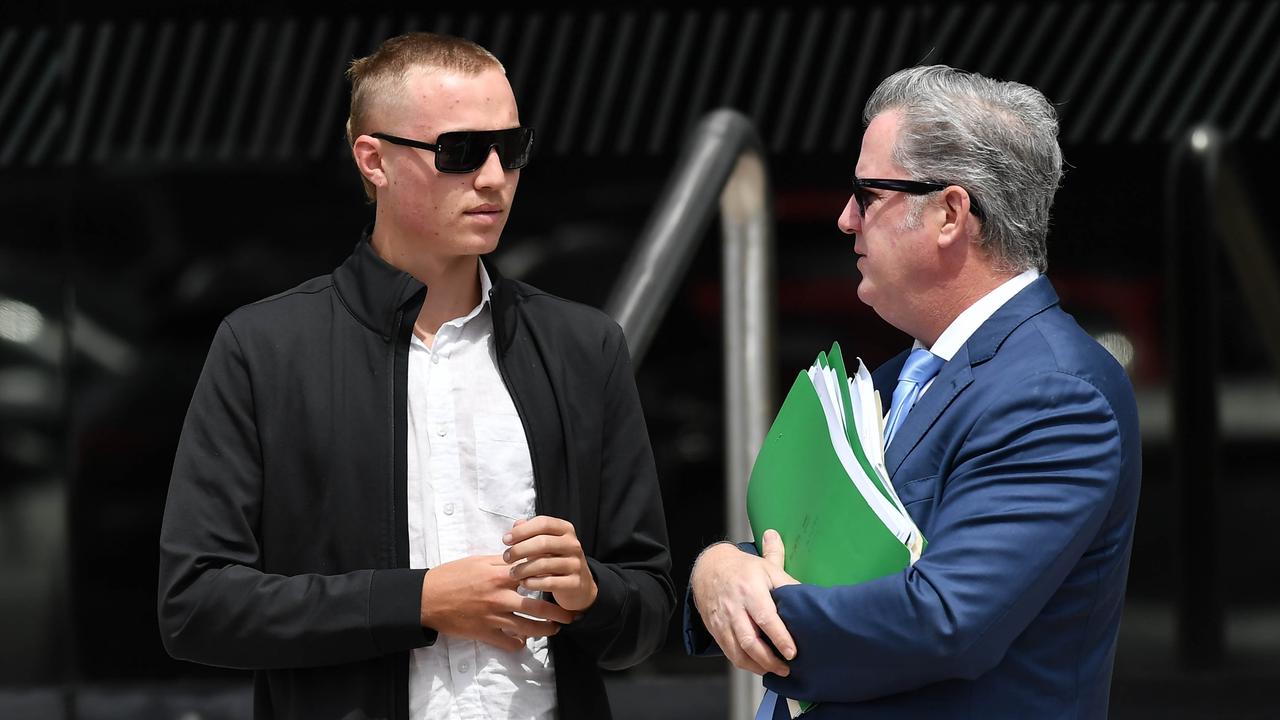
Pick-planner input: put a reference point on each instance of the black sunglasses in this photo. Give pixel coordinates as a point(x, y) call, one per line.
point(910, 187)
point(465, 151)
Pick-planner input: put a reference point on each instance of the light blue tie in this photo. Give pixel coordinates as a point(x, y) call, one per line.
point(919, 369)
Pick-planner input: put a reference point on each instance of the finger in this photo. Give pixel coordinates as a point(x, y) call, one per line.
point(500, 577)
point(729, 646)
point(767, 620)
point(538, 525)
point(553, 584)
point(742, 661)
point(774, 551)
point(543, 609)
point(717, 623)
point(723, 635)
point(546, 566)
point(502, 641)
point(515, 636)
point(581, 591)
point(540, 545)
point(747, 637)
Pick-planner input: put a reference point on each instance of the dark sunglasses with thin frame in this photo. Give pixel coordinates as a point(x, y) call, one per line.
point(465, 151)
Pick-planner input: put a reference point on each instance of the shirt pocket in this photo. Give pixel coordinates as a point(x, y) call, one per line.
point(504, 471)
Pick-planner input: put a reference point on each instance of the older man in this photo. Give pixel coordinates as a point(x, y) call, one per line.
point(1012, 442)
point(412, 488)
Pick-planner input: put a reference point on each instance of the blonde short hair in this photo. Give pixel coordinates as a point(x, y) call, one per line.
point(384, 72)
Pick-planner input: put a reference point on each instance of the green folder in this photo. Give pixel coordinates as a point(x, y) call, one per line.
point(800, 488)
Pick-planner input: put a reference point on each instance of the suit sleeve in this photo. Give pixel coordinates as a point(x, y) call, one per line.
point(630, 561)
point(1028, 492)
point(216, 605)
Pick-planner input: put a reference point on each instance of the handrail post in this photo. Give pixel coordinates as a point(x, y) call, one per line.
point(1192, 293)
point(748, 276)
point(723, 162)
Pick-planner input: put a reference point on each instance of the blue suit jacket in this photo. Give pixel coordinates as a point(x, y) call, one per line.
point(1021, 465)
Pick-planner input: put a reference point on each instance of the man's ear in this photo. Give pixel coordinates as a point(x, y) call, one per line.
point(958, 224)
point(367, 152)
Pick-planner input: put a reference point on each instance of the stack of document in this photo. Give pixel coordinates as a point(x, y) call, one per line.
point(820, 482)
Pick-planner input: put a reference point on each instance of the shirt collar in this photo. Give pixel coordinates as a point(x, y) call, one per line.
point(968, 322)
point(486, 286)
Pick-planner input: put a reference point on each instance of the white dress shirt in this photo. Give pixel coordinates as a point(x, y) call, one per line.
point(469, 478)
point(968, 322)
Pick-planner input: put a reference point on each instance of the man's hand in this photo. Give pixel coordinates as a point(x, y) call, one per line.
point(554, 561)
point(731, 591)
point(475, 597)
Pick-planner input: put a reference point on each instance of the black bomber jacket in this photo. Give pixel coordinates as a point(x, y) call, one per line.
point(284, 548)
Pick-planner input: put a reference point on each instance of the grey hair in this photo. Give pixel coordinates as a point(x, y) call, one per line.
point(996, 139)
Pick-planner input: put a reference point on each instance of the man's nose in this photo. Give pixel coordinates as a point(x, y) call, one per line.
point(850, 221)
point(491, 173)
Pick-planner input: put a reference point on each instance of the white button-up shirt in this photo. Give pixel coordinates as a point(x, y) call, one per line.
point(469, 478)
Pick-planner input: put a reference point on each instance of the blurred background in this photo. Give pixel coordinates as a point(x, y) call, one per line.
point(163, 163)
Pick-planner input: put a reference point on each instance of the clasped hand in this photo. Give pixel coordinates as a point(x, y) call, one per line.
point(731, 592)
point(550, 558)
point(476, 597)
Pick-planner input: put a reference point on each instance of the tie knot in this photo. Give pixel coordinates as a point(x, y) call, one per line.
point(920, 367)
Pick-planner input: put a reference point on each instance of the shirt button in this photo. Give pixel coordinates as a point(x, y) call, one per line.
point(463, 667)
point(435, 359)
point(442, 431)
point(448, 510)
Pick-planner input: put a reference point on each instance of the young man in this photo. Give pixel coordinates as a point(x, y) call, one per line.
point(1012, 441)
point(413, 488)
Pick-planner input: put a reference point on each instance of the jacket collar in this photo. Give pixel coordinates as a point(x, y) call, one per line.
point(957, 374)
point(1031, 301)
point(374, 291)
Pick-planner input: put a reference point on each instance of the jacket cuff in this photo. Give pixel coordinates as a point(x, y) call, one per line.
point(697, 639)
point(611, 598)
point(395, 610)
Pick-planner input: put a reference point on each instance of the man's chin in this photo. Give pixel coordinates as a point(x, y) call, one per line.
point(482, 244)
point(866, 293)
